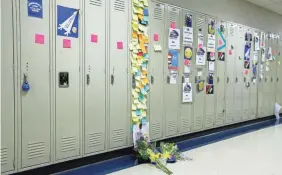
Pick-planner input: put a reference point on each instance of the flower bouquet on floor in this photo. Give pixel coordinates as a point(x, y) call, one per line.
point(146, 152)
point(170, 152)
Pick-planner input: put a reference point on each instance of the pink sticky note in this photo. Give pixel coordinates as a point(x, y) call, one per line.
point(156, 37)
point(186, 62)
point(220, 42)
point(246, 72)
point(39, 39)
point(200, 46)
point(230, 52)
point(212, 54)
point(172, 25)
point(94, 38)
point(66, 43)
point(119, 45)
point(262, 43)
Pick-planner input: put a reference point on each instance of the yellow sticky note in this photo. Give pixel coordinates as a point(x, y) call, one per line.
point(130, 47)
point(138, 84)
point(267, 63)
point(141, 106)
point(146, 39)
point(136, 2)
point(143, 48)
point(143, 76)
point(134, 41)
point(134, 69)
point(134, 107)
point(135, 119)
point(133, 113)
point(141, 27)
point(135, 50)
point(134, 26)
point(134, 17)
point(145, 81)
point(143, 113)
point(136, 101)
point(144, 72)
point(135, 9)
point(140, 17)
point(137, 89)
point(138, 47)
point(279, 63)
point(145, 2)
point(140, 11)
point(134, 94)
point(134, 35)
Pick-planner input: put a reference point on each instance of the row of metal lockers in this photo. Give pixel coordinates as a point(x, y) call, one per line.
point(78, 102)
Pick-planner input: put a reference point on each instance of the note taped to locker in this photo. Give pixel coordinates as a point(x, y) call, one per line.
point(157, 47)
point(66, 43)
point(172, 25)
point(67, 21)
point(156, 37)
point(35, 8)
point(39, 39)
point(119, 45)
point(94, 38)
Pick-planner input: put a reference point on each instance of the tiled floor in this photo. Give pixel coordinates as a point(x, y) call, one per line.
point(254, 153)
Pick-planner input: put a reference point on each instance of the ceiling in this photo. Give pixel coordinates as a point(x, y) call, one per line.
point(272, 5)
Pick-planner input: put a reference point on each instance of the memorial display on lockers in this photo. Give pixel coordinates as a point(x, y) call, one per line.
point(139, 63)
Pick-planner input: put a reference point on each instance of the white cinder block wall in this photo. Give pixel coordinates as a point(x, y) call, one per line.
point(238, 11)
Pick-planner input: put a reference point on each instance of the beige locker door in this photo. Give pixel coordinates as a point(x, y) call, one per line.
point(156, 112)
point(198, 97)
point(7, 88)
point(273, 71)
point(94, 76)
point(220, 74)
point(186, 109)
point(279, 73)
point(254, 79)
point(119, 91)
point(171, 91)
point(35, 104)
point(210, 99)
point(68, 104)
point(230, 72)
point(261, 95)
point(240, 79)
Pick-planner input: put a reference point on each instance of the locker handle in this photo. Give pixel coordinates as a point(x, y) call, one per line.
point(196, 79)
point(259, 79)
point(88, 79)
point(183, 79)
point(112, 79)
point(245, 79)
point(152, 79)
point(277, 79)
point(227, 79)
point(217, 79)
point(271, 79)
point(265, 79)
point(168, 79)
point(236, 79)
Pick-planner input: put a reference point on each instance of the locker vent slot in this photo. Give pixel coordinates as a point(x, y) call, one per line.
point(200, 23)
point(171, 126)
point(118, 135)
point(95, 139)
point(158, 13)
point(199, 121)
point(173, 16)
point(96, 2)
point(219, 117)
point(185, 123)
point(209, 120)
point(119, 5)
point(156, 128)
point(35, 150)
point(68, 144)
point(4, 156)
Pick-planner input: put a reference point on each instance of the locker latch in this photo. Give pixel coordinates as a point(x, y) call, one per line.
point(227, 79)
point(265, 80)
point(183, 79)
point(236, 80)
point(217, 79)
point(112, 79)
point(196, 79)
point(168, 79)
point(277, 79)
point(63, 79)
point(245, 79)
point(88, 79)
point(271, 79)
point(152, 79)
point(25, 85)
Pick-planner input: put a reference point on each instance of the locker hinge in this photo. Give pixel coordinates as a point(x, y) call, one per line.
point(50, 69)
point(14, 165)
